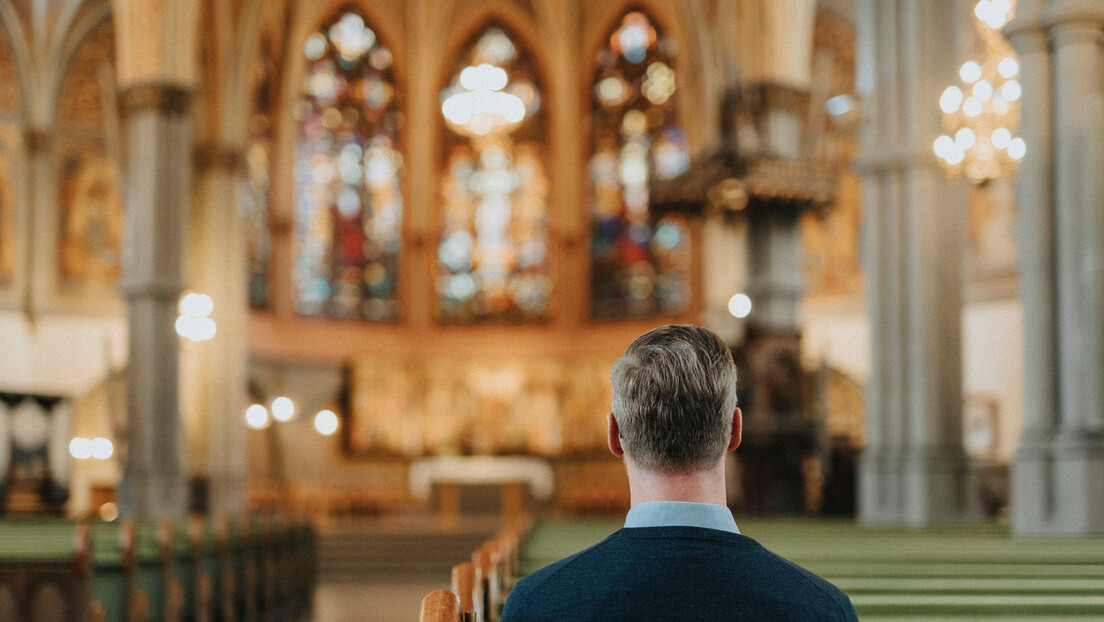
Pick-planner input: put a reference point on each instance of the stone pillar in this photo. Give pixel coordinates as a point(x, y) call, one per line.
point(775, 283)
point(914, 469)
point(1058, 467)
point(219, 241)
point(1032, 469)
point(158, 189)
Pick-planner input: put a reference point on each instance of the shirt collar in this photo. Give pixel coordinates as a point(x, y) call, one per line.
point(681, 514)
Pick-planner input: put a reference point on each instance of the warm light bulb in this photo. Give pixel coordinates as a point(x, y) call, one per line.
point(965, 138)
point(101, 448)
point(970, 72)
point(1008, 67)
point(283, 409)
point(325, 422)
point(951, 99)
point(943, 146)
point(80, 448)
point(971, 107)
point(485, 77)
point(739, 306)
point(256, 416)
point(983, 90)
point(1001, 137)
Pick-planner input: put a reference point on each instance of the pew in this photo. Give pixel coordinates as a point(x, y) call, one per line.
point(440, 606)
point(464, 586)
point(480, 586)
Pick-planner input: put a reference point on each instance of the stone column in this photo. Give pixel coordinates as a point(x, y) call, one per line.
point(221, 363)
point(158, 189)
point(878, 468)
point(914, 469)
point(1076, 36)
point(1032, 469)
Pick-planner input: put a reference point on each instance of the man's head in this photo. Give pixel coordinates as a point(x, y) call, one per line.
point(674, 398)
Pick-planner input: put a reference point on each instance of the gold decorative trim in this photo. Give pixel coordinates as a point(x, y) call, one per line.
point(774, 96)
point(215, 156)
point(166, 98)
point(36, 140)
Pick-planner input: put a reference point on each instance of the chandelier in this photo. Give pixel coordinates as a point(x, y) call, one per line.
point(982, 113)
point(480, 106)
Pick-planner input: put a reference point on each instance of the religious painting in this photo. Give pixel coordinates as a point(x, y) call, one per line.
point(639, 268)
point(90, 223)
point(347, 234)
point(493, 255)
point(9, 95)
point(9, 146)
point(10, 149)
point(418, 406)
point(90, 218)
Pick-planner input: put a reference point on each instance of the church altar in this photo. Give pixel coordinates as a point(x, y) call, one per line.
point(511, 473)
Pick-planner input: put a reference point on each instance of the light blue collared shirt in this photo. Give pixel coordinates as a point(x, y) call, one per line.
point(681, 514)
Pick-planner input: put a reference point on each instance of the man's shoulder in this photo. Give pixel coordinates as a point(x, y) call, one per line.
point(583, 558)
point(685, 564)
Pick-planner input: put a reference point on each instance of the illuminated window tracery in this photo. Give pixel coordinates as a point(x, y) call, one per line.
point(638, 268)
point(493, 253)
point(348, 203)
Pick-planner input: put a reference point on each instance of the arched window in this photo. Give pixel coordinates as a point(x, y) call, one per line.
point(9, 142)
point(90, 219)
point(348, 203)
point(640, 263)
point(493, 259)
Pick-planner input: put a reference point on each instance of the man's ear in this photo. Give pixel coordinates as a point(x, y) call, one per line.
point(613, 435)
point(737, 429)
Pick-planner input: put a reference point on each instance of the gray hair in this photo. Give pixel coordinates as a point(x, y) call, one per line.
point(674, 392)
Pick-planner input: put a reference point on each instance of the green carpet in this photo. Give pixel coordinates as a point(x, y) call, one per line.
point(972, 573)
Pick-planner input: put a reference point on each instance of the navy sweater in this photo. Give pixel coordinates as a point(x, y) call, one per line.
point(675, 573)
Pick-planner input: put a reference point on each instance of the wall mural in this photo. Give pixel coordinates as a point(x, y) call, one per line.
point(9, 144)
point(90, 222)
point(9, 149)
point(418, 405)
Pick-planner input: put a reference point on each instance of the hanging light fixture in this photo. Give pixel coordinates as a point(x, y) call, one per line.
point(982, 113)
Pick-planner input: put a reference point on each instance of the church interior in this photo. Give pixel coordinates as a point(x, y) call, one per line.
point(364, 265)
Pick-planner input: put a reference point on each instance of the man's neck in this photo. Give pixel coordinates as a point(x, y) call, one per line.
point(697, 486)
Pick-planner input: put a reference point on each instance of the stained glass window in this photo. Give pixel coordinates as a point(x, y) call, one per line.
point(640, 262)
point(493, 259)
point(348, 203)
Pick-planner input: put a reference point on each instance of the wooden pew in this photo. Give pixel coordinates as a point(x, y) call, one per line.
point(440, 606)
point(464, 586)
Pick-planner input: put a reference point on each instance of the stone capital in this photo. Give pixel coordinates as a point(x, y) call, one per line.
point(36, 140)
point(1089, 13)
point(215, 156)
point(163, 97)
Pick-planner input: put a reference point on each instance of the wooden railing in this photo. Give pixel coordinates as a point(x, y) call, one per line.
point(134, 572)
point(479, 587)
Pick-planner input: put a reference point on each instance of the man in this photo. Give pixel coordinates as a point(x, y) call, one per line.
point(680, 555)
